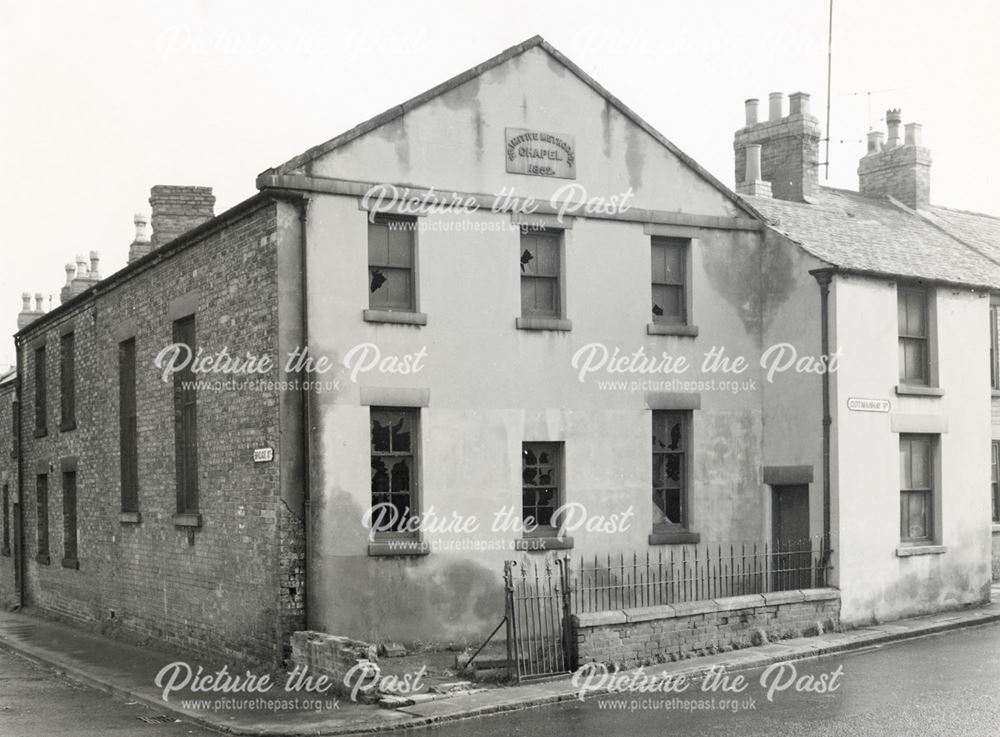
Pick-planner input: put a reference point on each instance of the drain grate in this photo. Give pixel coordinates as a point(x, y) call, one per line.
point(158, 719)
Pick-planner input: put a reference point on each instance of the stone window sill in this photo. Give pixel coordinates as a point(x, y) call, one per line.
point(187, 519)
point(666, 328)
point(400, 547)
point(542, 544)
point(396, 318)
point(67, 426)
point(678, 537)
point(544, 323)
point(130, 518)
point(996, 528)
point(906, 551)
point(41, 432)
point(43, 558)
point(995, 393)
point(71, 563)
point(913, 390)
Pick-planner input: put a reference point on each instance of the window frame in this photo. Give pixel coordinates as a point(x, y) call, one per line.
point(411, 270)
point(683, 246)
point(929, 493)
point(70, 529)
point(995, 480)
point(556, 449)
point(67, 381)
point(42, 518)
point(414, 454)
point(686, 419)
point(41, 391)
point(557, 240)
point(926, 340)
point(128, 426)
point(995, 344)
point(5, 500)
point(186, 423)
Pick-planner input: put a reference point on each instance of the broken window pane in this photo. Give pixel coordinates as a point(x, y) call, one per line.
point(669, 470)
point(540, 483)
point(540, 274)
point(392, 463)
point(390, 264)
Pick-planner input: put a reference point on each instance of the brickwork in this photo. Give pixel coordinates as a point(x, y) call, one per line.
point(176, 210)
point(902, 172)
point(8, 480)
point(219, 587)
point(330, 655)
point(789, 155)
point(633, 637)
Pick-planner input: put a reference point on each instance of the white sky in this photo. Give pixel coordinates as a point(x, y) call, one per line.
point(103, 100)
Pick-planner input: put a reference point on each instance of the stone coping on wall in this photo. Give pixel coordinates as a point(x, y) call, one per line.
point(707, 606)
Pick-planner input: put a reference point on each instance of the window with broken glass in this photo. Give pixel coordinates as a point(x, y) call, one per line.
point(916, 500)
point(390, 264)
point(669, 269)
point(670, 469)
point(540, 274)
point(393, 457)
point(541, 470)
point(914, 335)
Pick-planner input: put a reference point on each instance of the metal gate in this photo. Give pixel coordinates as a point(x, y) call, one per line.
point(539, 628)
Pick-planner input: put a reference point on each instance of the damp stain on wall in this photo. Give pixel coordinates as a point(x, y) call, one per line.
point(727, 260)
point(635, 159)
point(466, 97)
point(395, 132)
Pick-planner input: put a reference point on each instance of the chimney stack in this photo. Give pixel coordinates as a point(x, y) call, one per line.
point(28, 315)
point(140, 244)
point(901, 170)
point(788, 147)
point(176, 210)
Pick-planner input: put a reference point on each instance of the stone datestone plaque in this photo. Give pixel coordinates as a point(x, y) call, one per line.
point(540, 154)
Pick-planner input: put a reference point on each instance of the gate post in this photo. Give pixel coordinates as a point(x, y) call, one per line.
point(568, 631)
point(513, 667)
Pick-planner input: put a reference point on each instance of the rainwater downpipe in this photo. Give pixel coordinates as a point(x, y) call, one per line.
point(825, 277)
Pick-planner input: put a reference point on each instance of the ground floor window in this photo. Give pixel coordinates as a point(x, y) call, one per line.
point(916, 495)
point(670, 470)
point(995, 481)
point(393, 459)
point(541, 484)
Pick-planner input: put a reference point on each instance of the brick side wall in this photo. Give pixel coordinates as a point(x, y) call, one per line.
point(633, 637)
point(215, 588)
point(8, 478)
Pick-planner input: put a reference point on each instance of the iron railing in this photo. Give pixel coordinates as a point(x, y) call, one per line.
point(696, 572)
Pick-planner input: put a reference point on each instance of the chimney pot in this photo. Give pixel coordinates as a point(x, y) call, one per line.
point(95, 259)
point(25, 301)
point(141, 221)
point(81, 266)
point(876, 140)
point(39, 302)
point(777, 105)
point(914, 136)
point(798, 103)
point(893, 119)
point(752, 107)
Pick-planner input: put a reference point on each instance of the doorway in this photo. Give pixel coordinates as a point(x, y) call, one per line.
point(791, 556)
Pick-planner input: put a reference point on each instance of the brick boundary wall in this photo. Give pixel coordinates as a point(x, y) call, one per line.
point(628, 638)
point(331, 655)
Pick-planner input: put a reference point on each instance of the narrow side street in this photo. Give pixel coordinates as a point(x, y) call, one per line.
point(938, 686)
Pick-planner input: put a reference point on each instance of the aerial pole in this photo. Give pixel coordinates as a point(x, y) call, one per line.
point(829, 67)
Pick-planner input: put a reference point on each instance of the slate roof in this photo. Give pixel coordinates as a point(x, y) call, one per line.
point(882, 236)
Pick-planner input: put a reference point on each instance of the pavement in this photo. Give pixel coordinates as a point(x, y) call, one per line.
point(130, 672)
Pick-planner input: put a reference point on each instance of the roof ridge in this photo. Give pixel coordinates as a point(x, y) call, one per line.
point(478, 70)
point(966, 212)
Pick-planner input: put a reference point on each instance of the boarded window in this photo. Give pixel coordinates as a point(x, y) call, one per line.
point(995, 481)
point(67, 380)
point(41, 398)
point(186, 423)
point(669, 273)
point(6, 520)
point(128, 443)
point(393, 459)
point(390, 264)
point(916, 473)
point(670, 470)
point(42, 523)
point(914, 334)
point(541, 485)
point(540, 274)
point(69, 517)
